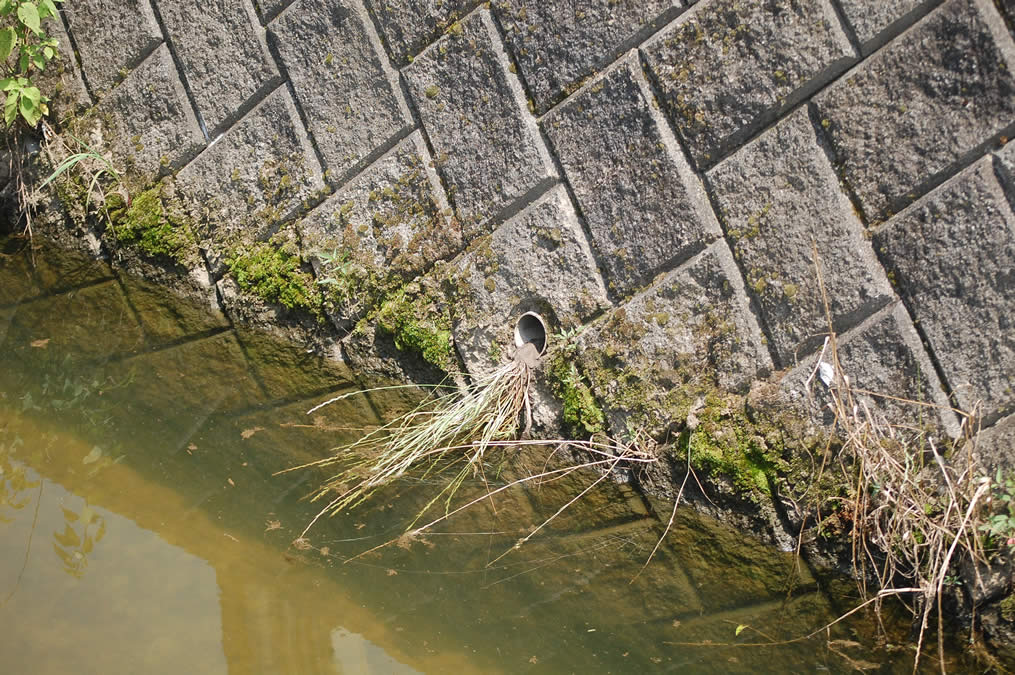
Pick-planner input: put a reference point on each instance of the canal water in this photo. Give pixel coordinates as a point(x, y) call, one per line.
point(144, 527)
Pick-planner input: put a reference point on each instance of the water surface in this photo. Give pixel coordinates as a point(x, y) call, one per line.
point(143, 528)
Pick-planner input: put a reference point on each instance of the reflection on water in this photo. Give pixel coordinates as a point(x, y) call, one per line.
point(142, 528)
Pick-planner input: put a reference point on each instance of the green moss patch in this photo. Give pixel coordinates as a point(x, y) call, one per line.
point(276, 276)
point(418, 324)
point(149, 224)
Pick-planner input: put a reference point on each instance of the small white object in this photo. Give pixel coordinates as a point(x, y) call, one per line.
point(826, 371)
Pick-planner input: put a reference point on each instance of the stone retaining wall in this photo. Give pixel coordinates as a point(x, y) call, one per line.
point(662, 162)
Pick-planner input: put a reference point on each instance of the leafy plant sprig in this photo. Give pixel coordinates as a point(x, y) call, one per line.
point(25, 48)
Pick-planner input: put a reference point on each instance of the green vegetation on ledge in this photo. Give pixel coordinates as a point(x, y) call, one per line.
point(147, 223)
point(418, 325)
point(276, 276)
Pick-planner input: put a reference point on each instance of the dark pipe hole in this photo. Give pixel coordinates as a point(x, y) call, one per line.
point(531, 330)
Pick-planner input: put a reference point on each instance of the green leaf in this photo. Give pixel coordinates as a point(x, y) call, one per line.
point(8, 41)
point(8, 83)
point(6, 7)
point(23, 62)
point(30, 111)
point(740, 628)
point(47, 8)
point(29, 15)
point(11, 112)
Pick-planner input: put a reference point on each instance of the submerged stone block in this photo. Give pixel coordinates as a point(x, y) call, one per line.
point(170, 308)
point(255, 176)
point(557, 43)
point(68, 323)
point(952, 255)
point(871, 21)
point(488, 147)
point(644, 206)
point(225, 61)
point(883, 356)
point(207, 375)
point(288, 370)
point(155, 130)
point(896, 127)
point(692, 332)
point(408, 26)
point(348, 95)
point(537, 261)
point(726, 68)
point(756, 571)
point(111, 36)
point(780, 198)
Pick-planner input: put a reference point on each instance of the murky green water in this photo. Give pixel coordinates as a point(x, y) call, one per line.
point(142, 528)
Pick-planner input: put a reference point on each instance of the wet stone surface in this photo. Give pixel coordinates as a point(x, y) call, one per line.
point(487, 146)
point(952, 256)
point(726, 68)
point(350, 100)
point(112, 36)
point(156, 131)
point(242, 66)
point(557, 43)
point(779, 198)
point(895, 129)
point(644, 206)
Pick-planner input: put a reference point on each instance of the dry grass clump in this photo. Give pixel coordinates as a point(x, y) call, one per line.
point(914, 513)
point(450, 434)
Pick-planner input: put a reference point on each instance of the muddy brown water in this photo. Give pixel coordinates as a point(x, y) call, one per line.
point(143, 527)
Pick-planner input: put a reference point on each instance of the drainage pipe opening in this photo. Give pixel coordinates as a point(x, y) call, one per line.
point(530, 329)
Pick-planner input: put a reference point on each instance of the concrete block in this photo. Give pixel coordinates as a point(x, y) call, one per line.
point(558, 43)
point(255, 176)
point(488, 147)
point(644, 206)
point(408, 25)
point(537, 261)
point(389, 222)
point(874, 22)
point(111, 35)
point(155, 128)
point(62, 76)
point(995, 446)
point(727, 68)
point(779, 197)
point(1005, 164)
point(269, 9)
point(349, 96)
point(897, 129)
point(952, 255)
point(883, 356)
point(692, 331)
point(225, 61)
